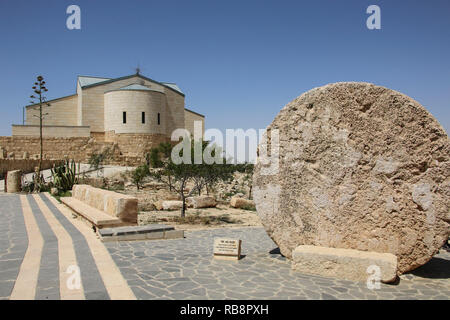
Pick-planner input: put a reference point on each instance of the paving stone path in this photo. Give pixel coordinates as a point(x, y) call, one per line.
point(43, 251)
point(13, 242)
point(184, 269)
point(40, 241)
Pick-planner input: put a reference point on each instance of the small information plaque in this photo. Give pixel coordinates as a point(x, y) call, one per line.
point(227, 249)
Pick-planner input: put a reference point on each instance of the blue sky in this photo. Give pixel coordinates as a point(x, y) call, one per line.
point(239, 62)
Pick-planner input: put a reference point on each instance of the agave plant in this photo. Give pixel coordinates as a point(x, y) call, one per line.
point(65, 176)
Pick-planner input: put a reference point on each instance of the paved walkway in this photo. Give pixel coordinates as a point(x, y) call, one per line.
point(42, 247)
point(46, 254)
point(184, 269)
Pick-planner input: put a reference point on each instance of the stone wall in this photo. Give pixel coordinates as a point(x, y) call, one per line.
point(135, 145)
point(76, 148)
point(25, 165)
point(51, 131)
point(127, 149)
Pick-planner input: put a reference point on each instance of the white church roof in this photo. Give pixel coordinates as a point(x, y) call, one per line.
point(87, 81)
point(173, 86)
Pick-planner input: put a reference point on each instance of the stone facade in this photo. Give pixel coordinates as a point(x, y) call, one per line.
point(141, 113)
point(61, 112)
point(135, 145)
point(104, 113)
point(100, 102)
point(190, 117)
point(51, 131)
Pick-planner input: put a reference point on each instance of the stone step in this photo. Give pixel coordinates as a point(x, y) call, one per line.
point(148, 232)
point(98, 218)
point(347, 264)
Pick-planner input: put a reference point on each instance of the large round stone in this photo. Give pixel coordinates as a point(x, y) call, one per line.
point(357, 166)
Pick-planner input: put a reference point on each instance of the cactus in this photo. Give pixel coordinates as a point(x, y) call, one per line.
point(64, 176)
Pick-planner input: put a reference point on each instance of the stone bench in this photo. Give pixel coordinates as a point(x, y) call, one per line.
point(102, 208)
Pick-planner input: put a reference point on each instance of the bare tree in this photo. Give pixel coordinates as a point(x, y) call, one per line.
point(40, 100)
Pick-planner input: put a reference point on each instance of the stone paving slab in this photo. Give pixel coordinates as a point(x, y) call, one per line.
point(185, 269)
point(35, 241)
point(130, 233)
point(181, 268)
point(13, 243)
point(48, 281)
point(90, 276)
point(134, 230)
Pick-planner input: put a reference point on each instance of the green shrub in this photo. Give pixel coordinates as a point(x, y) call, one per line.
point(64, 176)
point(154, 158)
point(138, 175)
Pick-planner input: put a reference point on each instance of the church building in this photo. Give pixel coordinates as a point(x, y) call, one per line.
point(105, 108)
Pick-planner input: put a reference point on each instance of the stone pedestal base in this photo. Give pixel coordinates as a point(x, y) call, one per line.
point(347, 264)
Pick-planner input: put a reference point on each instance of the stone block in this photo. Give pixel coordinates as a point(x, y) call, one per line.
point(348, 264)
point(79, 191)
point(149, 232)
point(158, 204)
point(237, 202)
point(130, 237)
point(112, 203)
point(172, 205)
point(14, 181)
point(201, 202)
point(345, 171)
point(154, 235)
point(95, 199)
point(173, 234)
point(127, 209)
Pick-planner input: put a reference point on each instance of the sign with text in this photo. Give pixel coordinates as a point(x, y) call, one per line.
point(229, 249)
